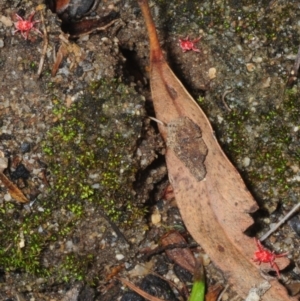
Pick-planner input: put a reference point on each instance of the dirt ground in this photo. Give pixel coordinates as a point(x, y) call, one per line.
point(82, 149)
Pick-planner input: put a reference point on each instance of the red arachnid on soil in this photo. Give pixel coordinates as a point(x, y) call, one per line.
point(187, 44)
point(24, 26)
point(264, 255)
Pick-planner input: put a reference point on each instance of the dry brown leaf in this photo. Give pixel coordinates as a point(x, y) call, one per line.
point(215, 209)
point(181, 256)
point(61, 53)
point(114, 271)
point(14, 191)
point(213, 292)
point(168, 194)
point(65, 49)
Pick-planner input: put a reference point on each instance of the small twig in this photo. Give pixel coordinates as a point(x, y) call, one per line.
point(223, 98)
point(292, 76)
point(158, 121)
point(171, 283)
point(159, 250)
point(115, 228)
point(294, 71)
point(222, 293)
point(139, 291)
point(288, 215)
point(44, 51)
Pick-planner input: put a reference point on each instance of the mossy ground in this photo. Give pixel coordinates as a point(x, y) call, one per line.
point(276, 142)
point(90, 152)
point(97, 136)
point(245, 18)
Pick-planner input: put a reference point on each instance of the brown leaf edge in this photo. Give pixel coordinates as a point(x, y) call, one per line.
point(14, 191)
point(213, 292)
point(216, 209)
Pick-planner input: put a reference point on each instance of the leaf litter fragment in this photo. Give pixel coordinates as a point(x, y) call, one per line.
point(213, 292)
point(282, 221)
point(139, 291)
point(13, 190)
point(185, 139)
point(181, 256)
point(216, 209)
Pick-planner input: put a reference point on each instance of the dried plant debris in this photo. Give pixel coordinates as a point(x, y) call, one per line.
point(14, 191)
point(182, 256)
point(76, 16)
point(185, 139)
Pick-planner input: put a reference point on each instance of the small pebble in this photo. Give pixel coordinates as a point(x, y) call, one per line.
point(206, 260)
point(69, 245)
point(3, 163)
point(266, 82)
point(120, 256)
point(212, 73)
point(246, 161)
point(220, 119)
point(225, 297)
point(6, 21)
point(20, 172)
point(7, 197)
point(1, 43)
point(257, 59)
point(294, 223)
point(156, 218)
point(250, 67)
point(25, 147)
point(22, 241)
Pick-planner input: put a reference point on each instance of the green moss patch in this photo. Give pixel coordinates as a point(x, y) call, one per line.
point(90, 154)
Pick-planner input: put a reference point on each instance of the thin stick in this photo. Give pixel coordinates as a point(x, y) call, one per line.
point(222, 293)
point(294, 72)
point(139, 291)
point(280, 222)
point(42, 59)
point(155, 50)
point(158, 121)
point(223, 98)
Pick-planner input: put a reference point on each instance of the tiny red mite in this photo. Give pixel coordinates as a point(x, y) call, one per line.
point(187, 44)
point(24, 26)
point(264, 255)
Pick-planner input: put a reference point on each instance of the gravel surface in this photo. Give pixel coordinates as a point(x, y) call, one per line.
point(82, 150)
